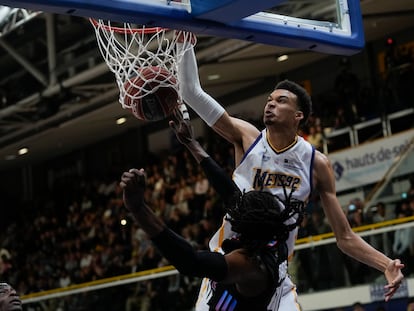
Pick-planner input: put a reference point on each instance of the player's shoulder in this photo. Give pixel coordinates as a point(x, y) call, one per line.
point(321, 161)
point(323, 176)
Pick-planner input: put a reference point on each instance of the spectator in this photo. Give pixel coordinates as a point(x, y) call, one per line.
point(403, 245)
point(140, 299)
point(410, 304)
point(357, 306)
point(403, 208)
point(411, 206)
point(183, 194)
point(358, 272)
point(347, 87)
point(201, 188)
point(9, 300)
point(410, 191)
point(315, 137)
point(5, 264)
point(380, 241)
point(355, 213)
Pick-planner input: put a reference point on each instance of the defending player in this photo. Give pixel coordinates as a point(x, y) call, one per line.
point(248, 274)
point(9, 300)
point(277, 157)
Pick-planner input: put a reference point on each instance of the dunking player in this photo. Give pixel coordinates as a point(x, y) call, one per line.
point(247, 275)
point(277, 157)
point(9, 300)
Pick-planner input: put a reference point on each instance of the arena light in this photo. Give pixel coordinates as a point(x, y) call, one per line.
point(282, 58)
point(213, 77)
point(390, 41)
point(23, 151)
point(120, 121)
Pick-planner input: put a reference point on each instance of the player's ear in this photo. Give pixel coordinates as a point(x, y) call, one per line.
point(299, 114)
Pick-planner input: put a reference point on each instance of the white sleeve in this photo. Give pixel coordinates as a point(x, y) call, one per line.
point(191, 92)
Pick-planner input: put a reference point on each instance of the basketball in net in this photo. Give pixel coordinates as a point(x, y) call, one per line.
point(151, 95)
point(144, 61)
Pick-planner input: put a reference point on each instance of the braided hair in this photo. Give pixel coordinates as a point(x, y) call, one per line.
point(259, 218)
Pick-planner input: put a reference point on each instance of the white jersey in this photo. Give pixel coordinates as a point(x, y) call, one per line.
point(265, 168)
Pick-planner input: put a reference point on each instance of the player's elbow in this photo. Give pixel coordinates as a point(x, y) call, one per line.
point(346, 242)
point(204, 264)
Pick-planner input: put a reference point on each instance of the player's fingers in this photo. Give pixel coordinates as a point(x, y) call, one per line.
point(178, 115)
point(392, 288)
point(173, 126)
point(390, 293)
point(125, 179)
point(136, 171)
point(398, 264)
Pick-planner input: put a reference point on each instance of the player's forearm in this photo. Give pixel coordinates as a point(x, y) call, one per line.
point(360, 250)
point(192, 93)
point(196, 150)
point(147, 220)
point(216, 175)
point(219, 179)
point(182, 255)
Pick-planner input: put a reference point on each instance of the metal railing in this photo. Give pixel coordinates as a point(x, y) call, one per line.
point(351, 136)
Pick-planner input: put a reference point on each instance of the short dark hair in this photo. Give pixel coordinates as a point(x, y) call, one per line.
point(304, 100)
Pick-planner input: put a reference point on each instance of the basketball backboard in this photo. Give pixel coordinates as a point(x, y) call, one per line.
point(276, 22)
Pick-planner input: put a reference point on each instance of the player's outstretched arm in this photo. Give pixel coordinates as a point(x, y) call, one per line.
point(236, 131)
point(216, 175)
point(176, 249)
point(347, 240)
point(191, 91)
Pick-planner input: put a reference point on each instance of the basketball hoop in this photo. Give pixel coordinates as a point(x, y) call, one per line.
point(129, 49)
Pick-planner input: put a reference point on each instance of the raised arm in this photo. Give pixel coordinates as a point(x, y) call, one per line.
point(176, 249)
point(348, 241)
point(231, 268)
point(216, 175)
point(238, 132)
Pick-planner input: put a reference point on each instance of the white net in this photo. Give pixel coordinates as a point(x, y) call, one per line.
point(143, 59)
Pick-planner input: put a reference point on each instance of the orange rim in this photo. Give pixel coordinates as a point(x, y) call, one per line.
point(144, 30)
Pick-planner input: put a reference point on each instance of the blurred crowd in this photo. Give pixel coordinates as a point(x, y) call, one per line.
point(92, 236)
point(80, 234)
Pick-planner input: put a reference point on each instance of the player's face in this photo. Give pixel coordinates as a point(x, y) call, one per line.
point(9, 300)
point(281, 108)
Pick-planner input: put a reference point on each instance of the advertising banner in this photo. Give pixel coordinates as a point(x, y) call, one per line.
point(369, 162)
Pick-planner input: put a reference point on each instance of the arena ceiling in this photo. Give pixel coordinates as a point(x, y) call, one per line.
point(57, 94)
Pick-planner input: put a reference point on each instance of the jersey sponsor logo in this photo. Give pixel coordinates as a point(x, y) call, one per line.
point(265, 157)
point(291, 164)
point(273, 179)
